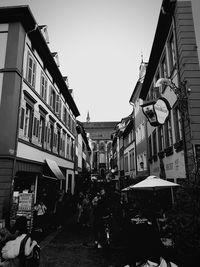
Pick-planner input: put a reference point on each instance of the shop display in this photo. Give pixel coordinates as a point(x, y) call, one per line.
point(22, 205)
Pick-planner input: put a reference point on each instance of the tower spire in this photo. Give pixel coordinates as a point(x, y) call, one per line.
point(88, 117)
point(141, 57)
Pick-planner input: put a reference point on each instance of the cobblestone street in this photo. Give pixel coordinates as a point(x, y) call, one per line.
point(73, 247)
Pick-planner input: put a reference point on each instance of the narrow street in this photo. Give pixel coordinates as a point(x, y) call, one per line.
point(73, 247)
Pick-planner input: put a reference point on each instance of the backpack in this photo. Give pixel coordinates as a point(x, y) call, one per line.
point(33, 259)
point(12, 248)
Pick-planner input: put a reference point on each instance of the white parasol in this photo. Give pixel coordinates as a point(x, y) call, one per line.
point(152, 183)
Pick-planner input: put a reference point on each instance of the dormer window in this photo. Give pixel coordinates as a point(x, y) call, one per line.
point(43, 29)
point(55, 56)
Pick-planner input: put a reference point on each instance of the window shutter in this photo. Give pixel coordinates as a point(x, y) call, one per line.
point(48, 141)
point(60, 106)
point(57, 104)
point(36, 120)
point(55, 140)
point(45, 90)
point(50, 96)
point(33, 74)
point(22, 118)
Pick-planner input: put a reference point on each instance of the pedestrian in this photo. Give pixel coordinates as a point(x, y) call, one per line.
point(11, 250)
point(100, 210)
point(86, 209)
point(5, 236)
point(40, 216)
point(79, 206)
point(60, 213)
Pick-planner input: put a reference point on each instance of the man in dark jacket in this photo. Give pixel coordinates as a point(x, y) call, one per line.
point(100, 211)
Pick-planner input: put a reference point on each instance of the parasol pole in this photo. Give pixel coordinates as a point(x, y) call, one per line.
point(172, 194)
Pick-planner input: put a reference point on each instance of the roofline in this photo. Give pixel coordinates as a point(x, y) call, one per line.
point(135, 91)
point(162, 30)
point(24, 15)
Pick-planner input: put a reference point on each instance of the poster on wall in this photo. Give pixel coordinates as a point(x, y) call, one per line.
point(22, 206)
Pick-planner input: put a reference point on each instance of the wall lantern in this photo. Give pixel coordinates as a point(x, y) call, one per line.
point(156, 111)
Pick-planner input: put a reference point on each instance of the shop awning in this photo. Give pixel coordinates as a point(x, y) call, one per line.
point(55, 169)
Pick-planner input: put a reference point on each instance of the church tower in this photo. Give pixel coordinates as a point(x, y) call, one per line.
point(88, 117)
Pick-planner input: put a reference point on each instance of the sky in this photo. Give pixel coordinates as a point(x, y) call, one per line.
point(100, 45)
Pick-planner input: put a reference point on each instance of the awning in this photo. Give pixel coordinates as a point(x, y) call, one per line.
point(55, 169)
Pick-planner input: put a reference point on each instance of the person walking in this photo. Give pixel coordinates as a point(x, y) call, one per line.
point(19, 231)
point(100, 210)
point(40, 216)
point(85, 215)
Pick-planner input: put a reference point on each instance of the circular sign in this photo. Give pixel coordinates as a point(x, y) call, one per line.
point(161, 108)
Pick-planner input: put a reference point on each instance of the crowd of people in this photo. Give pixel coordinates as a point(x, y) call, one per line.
point(136, 224)
point(138, 229)
point(53, 217)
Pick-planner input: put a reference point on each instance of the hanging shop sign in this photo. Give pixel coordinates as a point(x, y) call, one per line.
point(156, 111)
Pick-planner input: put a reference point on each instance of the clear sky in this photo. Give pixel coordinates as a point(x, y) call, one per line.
point(99, 44)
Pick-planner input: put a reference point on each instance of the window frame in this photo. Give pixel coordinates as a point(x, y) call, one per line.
point(43, 86)
point(31, 70)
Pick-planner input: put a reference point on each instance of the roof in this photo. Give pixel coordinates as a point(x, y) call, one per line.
point(136, 92)
point(162, 30)
point(24, 15)
point(102, 124)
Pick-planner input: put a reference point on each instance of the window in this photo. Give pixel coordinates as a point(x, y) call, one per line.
point(132, 160)
point(72, 149)
point(154, 143)
point(168, 133)
point(163, 68)
point(172, 58)
point(156, 90)
point(126, 141)
point(160, 138)
point(52, 98)
point(26, 117)
point(63, 143)
point(22, 118)
point(65, 115)
point(31, 70)
point(68, 140)
point(58, 105)
point(164, 72)
point(177, 124)
point(28, 121)
point(59, 145)
point(41, 134)
point(68, 120)
point(51, 136)
point(126, 162)
point(43, 87)
point(35, 126)
point(150, 147)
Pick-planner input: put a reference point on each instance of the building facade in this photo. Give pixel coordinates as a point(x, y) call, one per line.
point(140, 125)
point(37, 115)
point(173, 147)
point(101, 146)
point(83, 159)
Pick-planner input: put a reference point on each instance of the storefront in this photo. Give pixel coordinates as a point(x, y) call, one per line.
point(33, 183)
